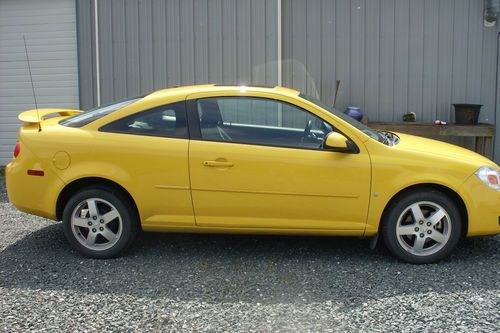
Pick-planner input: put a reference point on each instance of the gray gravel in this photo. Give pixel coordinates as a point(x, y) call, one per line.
point(174, 282)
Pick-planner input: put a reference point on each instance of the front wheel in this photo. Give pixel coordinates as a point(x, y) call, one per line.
point(99, 222)
point(422, 227)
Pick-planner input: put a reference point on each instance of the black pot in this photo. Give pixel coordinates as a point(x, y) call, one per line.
point(467, 114)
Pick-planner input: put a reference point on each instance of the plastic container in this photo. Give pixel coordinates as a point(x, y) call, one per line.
point(467, 114)
point(354, 112)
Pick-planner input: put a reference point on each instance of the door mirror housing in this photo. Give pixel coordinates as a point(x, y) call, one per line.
point(339, 143)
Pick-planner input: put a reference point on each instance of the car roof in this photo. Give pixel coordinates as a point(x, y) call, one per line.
point(192, 89)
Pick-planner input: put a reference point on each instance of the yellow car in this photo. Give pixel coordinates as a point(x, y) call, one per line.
point(234, 159)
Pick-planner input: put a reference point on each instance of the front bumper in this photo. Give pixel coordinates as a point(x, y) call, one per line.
point(483, 206)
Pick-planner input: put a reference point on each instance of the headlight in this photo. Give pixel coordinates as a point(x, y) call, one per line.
point(489, 176)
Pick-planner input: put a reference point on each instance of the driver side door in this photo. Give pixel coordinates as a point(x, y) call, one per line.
point(259, 163)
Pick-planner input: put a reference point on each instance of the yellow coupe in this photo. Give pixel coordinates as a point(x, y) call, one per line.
point(233, 159)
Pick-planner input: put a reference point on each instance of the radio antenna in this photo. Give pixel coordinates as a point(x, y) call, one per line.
point(32, 86)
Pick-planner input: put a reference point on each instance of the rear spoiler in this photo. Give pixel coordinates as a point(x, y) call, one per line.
point(35, 116)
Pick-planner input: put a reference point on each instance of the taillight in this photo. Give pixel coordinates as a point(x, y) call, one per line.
point(17, 149)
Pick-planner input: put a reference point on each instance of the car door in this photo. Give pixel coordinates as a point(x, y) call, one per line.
point(151, 148)
point(259, 163)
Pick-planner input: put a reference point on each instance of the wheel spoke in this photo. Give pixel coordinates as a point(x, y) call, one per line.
point(437, 216)
point(91, 238)
point(91, 203)
point(110, 216)
point(406, 230)
point(108, 234)
point(80, 222)
point(438, 237)
point(418, 246)
point(417, 212)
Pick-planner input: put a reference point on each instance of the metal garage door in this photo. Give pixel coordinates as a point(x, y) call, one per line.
point(49, 27)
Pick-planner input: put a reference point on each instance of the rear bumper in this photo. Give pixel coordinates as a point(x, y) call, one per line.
point(35, 195)
point(483, 205)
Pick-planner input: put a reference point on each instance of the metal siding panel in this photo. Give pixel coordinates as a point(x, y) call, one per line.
point(243, 38)
point(229, 33)
point(200, 41)
point(146, 46)
point(159, 44)
point(445, 59)
point(173, 43)
point(258, 34)
point(299, 45)
point(401, 59)
point(271, 41)
point(474, 52)
point(119, 50)
point(287, 43)
point(327, 84)
point(357, 82)
point(372, 60)
point(313, 48)
point(416, 57)
point(51, 38)
point(85, 53)
point(430, 60)
point(488, 78)
point(342, 51)
point(215, 64)
point(106, 58)
point(459, 66)
point(132, 47)
point(496, 153)
point(387, 47)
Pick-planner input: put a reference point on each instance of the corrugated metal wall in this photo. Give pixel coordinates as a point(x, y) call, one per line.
point(50, 32)
point(151, 44)
point(392, 56)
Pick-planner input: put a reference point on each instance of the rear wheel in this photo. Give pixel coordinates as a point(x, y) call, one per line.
point(99, 223)
point(422, 227)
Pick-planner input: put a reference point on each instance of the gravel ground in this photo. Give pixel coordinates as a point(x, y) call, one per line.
point(174, 282)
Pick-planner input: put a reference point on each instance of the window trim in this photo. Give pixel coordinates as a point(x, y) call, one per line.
point(135, 114)
point(195, 127)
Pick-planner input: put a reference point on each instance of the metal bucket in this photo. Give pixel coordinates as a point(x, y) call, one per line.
point(467, 114)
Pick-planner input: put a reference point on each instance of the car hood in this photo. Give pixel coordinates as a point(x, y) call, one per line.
point(441, 149)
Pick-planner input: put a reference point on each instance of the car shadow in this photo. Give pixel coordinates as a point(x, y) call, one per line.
point(234, 268)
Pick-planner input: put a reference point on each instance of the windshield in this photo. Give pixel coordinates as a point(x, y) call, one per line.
point(89, 116)
point(360, 126)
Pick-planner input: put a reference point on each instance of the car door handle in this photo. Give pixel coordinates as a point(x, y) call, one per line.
point(219, 164)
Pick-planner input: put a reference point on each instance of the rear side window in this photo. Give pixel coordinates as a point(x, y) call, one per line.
point(166, 121)
point(89, 116)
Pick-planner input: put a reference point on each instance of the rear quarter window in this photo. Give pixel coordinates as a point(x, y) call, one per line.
point(91, 115)
point(166, 121)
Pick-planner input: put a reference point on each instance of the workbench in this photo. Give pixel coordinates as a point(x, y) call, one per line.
point(484, 134)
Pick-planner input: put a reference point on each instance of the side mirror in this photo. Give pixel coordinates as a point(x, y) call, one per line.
point(337, 142)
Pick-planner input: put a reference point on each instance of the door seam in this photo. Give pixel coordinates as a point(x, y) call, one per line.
point(190, 185)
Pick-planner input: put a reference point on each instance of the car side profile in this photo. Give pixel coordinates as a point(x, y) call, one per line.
point(234, 159)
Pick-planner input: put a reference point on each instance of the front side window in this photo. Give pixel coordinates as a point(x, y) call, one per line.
point(166, 120)
point(260, 121)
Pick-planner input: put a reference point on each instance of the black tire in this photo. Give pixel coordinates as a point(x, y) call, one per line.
point(127, 219)
point(401, 245)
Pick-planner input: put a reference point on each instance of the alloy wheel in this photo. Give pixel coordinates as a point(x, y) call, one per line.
point(423, 228)
point(96, 224)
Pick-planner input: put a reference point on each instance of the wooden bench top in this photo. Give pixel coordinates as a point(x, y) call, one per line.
point(428, 129)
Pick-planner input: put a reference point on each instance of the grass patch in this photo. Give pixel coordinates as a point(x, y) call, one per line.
point(2, 171)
